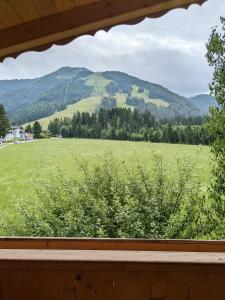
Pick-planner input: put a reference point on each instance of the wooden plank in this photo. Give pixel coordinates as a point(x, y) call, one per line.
point(122, 273)
point(25, 9)
point(153, 257)
point(1, 26)
point(159, 290)
point(8, 17)
point(31, 285)
point(67, 288)
point(131, 290)
point(63, 5)
point(18, 289)
point(85, 2)
point(45, 7)
point(207, 290)
point(66, 285)
point(48, 290)
point(177, 290)
point(94, 290)
point(112, 244)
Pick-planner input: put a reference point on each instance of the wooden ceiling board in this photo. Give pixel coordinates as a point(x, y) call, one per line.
point(45, 7)
point(1, 26)
point(8, 16)
point(63, 5)
point(25, 9)
point(85, 2)
point(62, 27)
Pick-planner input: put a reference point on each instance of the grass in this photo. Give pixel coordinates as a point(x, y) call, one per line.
point(85, 105)
point(20, 163)
point(99, 83)
point(88, 105)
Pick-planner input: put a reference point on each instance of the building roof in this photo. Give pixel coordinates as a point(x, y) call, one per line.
point(38, 24)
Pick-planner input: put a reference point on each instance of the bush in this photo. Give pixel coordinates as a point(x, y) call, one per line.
point(111, 199)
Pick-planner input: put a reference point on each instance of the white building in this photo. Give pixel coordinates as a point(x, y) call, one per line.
point(17, 133)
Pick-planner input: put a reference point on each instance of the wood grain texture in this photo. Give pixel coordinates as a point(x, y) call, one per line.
point(171, 272)
point(168, 257)
point(63, 5)
point(25, 9)
point(45, 7)
point(112, 244)
point(67, 286)
point(43, 274)
point(8, 16)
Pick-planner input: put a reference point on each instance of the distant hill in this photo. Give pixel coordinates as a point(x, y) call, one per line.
point(67, 90)
point(203, 102)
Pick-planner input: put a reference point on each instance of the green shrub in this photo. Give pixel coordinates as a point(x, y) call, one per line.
point(111, 199)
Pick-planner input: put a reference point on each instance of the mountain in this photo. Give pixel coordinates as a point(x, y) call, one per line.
point(29, 99)
point(203, 102)
point(67, 90)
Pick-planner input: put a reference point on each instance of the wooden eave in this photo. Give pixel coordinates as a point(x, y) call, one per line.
point(38, 24)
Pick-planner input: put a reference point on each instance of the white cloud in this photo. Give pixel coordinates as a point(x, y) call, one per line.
point(169, 50)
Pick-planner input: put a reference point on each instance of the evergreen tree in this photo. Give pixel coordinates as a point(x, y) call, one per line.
point(28, 129)
point(216, 59)
point(37, 130)
point(4, 122)
point(54, 127)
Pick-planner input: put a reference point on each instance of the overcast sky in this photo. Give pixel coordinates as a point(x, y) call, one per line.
point(169, 51)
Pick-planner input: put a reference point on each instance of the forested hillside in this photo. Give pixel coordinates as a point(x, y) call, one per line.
point(203, 102)
point(71, 89)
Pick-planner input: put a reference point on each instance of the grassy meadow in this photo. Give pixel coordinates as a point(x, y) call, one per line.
point(20, 163)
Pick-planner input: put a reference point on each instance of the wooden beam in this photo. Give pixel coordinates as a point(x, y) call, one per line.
point(62, 27)
point(172, 257)
point(112, 244)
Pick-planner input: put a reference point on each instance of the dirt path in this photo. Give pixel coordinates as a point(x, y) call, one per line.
point(3, 146)
point(21, 142)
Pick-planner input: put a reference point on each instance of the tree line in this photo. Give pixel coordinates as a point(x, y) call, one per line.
point(122, 124)
point(4, 122)
point(5, 125)
point(134, 125)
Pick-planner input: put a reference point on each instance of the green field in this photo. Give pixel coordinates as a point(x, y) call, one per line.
point(20, 163)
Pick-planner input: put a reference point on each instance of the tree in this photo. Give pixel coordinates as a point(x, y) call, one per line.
point(54, 127)
point(37, 130)
point(4, 122)
point(28, 129)
point(216, 59)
